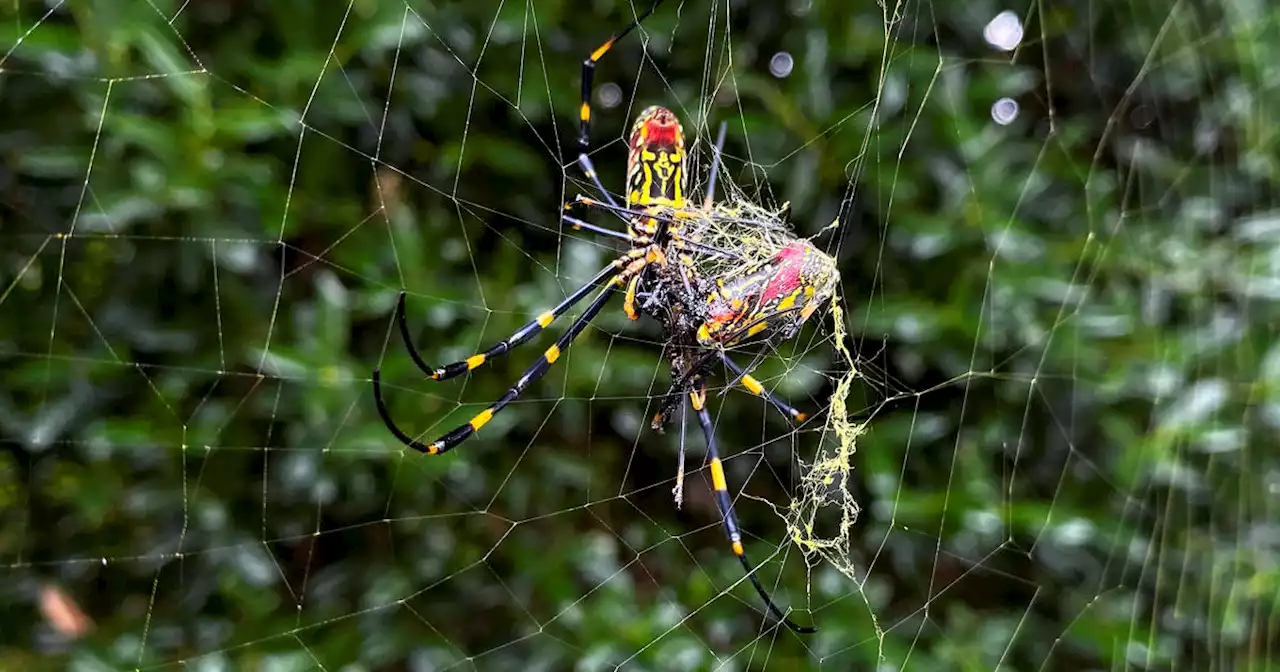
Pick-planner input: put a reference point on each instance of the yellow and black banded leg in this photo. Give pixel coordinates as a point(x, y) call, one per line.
point(629, 299)
point(755, 387)
point(635, 260)
point(698, 399)
point(528, 331)
point(533, 373)
point(589, 72)
point(653, 254)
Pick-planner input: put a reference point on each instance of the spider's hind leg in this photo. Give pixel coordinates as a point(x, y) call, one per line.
point(698, 400)
point(757, 388)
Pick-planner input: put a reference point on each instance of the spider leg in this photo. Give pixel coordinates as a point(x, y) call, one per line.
point(689, 212)
point(676, 219)
point(687, 266)
point(698, 399)
point(528, 331)
point(642, 257)
point(678, 490)
point(535, 371)
point(589, 72)
point(748, 381)
point(629, 303)
point(623, 211)
point(715, 167)
point(589, 168)
point(580, 224)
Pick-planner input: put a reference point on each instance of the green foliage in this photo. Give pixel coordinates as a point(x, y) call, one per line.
point(1066, 329)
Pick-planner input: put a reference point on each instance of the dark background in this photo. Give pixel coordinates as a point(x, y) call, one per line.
point(1065, 329)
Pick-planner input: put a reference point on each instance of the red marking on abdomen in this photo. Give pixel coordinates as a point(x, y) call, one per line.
point(656, 126)
point(661, 134)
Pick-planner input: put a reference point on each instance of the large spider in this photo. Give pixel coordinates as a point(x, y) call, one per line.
point(708, 286)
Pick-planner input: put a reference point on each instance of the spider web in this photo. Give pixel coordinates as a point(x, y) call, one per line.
point(1042, 405)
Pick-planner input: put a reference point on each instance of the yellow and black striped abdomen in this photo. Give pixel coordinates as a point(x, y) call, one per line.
point(656, 162)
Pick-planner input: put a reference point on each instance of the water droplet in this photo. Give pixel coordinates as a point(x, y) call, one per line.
point(781, 64)
point(1004, 32)
point(610, 95)
point(1004, 111)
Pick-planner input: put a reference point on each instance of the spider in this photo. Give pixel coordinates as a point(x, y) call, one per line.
point(708, 297)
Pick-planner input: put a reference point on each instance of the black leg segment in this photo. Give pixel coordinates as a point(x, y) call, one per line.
point(589, 72)
point(521, 335)
point(698, 399)
point(533, 373)
point(755, 387)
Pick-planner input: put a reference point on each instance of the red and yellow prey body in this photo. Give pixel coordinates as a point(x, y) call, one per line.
point(772, 298)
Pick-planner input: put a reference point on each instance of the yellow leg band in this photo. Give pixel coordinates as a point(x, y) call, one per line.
point(717, 475)
point(604, 49)
point(482, 419)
